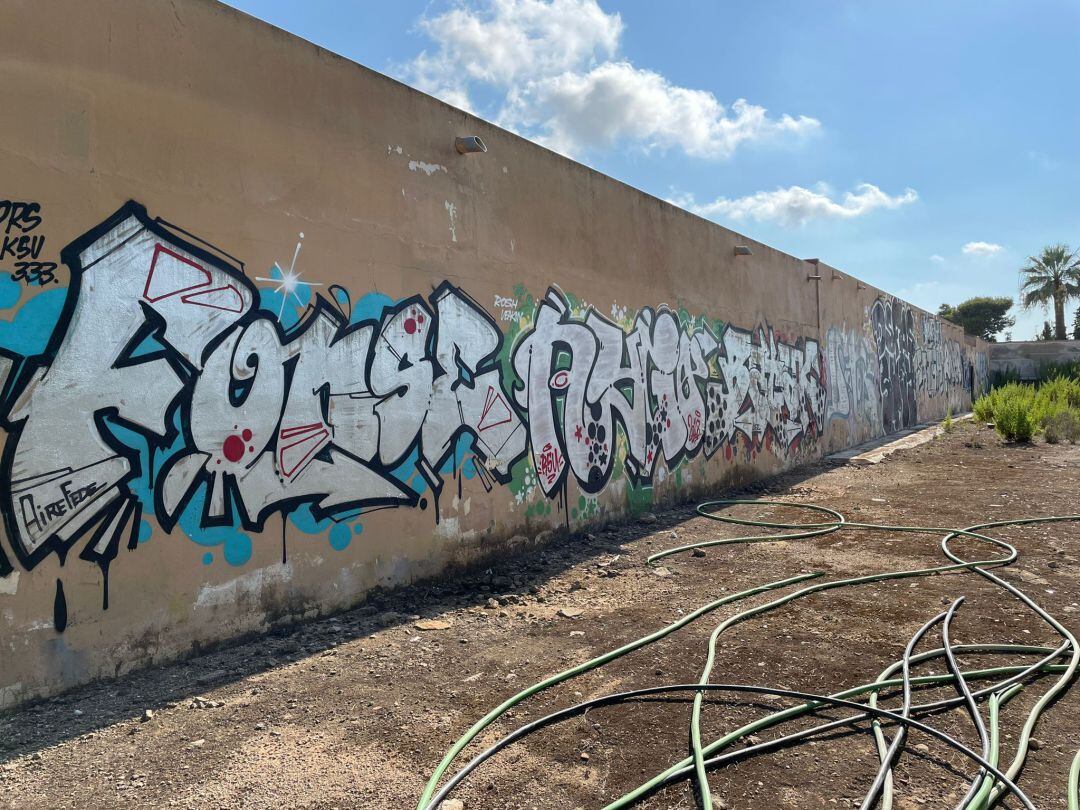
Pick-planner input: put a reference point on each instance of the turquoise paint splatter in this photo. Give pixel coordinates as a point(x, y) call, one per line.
point(145, 531)
point(207, 558)
point(237, 549)
point(10, 292)
point(149, 345)
point(456, 460)
point(340, 537)
point(371, 307)
point(305, 521)
point(27, 331)
point(236, 543)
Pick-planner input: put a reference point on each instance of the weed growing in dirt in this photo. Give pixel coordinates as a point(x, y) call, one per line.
point(947, 423)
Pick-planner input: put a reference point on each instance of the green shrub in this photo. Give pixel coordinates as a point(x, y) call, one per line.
point(1054, 395)
point(1012, 418)
point(1018, 410)
point(1062, 425)
point(984, 408)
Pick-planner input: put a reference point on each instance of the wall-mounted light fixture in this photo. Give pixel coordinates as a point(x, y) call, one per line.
point(743, 250)
point(860, 286)
point(836, 276)
point(470, 144)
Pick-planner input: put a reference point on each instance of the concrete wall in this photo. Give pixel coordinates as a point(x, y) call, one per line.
point(1026, 356)
point(478, 350)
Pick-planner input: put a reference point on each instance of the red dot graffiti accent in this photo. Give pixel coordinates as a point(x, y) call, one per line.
point(410, 325)
point(233, 448)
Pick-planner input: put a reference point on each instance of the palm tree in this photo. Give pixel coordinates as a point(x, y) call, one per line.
point(1053, 275)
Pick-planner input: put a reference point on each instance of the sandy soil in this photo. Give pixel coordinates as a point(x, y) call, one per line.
point(356, 710)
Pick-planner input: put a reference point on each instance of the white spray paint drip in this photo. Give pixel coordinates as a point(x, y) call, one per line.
point(252, 583)
point(451, 209)
point(390, 149)
point(504, 170)
point(10, 583)
point(511, 245)
point(427, 168)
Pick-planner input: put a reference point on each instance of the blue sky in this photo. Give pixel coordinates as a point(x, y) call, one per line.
point(927, 146)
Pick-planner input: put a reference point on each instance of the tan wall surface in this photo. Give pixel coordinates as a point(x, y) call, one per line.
point(196, 445)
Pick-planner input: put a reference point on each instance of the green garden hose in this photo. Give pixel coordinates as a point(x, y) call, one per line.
point(982, 797)
point(1074, 783)
point(990, 787)
point(599, 661)
point(776, 718)
point(884, 774)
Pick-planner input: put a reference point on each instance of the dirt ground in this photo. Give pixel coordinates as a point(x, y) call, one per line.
point(355, 711)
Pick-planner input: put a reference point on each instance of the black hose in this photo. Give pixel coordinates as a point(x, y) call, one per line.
point(897, 744)
point(969, 700)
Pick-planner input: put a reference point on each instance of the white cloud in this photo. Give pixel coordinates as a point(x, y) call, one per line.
point(510, 40)
point(554, 62)
point(937, 259)
point(617, 102)
point(981, 249)
point(796, 205)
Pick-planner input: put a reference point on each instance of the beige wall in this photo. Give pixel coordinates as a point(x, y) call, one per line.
point(1024, 357)
point(119, 115)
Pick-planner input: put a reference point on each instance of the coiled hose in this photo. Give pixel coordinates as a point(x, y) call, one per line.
point(988, 784)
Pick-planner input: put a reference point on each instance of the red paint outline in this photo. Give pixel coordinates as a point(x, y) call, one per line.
point(489, 401)
point(306, 433)
point(187, 299)
point(159, 249)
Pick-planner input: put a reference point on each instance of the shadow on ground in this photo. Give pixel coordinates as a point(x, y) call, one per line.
point(504, 579)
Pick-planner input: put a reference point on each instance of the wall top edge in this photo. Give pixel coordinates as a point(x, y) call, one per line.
point(470, 119)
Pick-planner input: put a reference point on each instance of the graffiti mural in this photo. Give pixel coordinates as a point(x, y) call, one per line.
point(672, 391)
point(893, 324)
point(156, 325)
point(854, 379)
point(163, 389)
point(939, 367)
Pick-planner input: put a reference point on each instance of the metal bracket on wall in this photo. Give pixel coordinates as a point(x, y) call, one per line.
point(817, 288)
